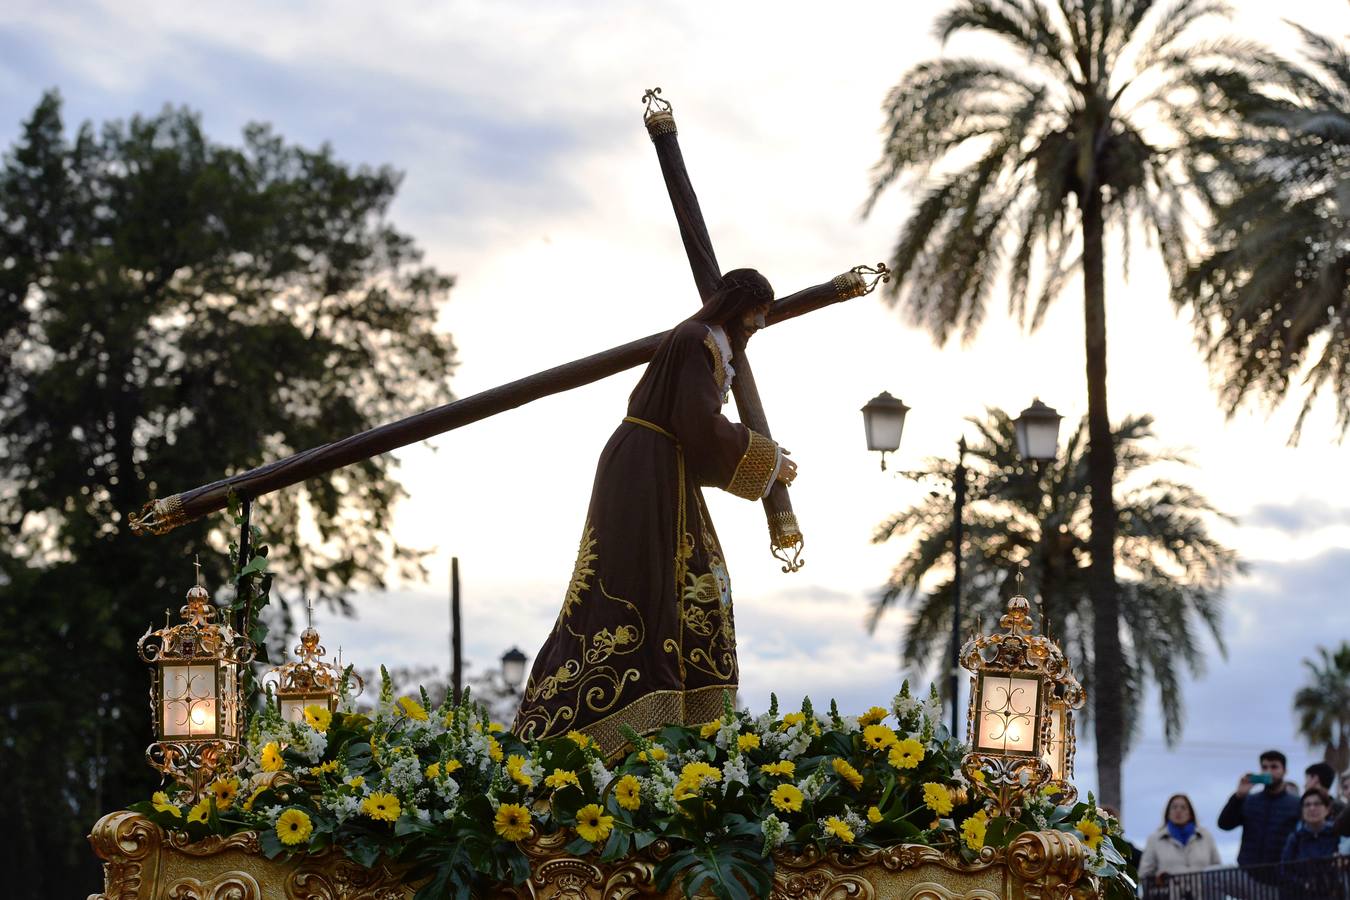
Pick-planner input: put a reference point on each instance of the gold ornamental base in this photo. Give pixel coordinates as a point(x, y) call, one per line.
point(143, 862)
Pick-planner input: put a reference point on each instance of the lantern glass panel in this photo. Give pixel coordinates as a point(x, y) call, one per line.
point(292, 706)
point(884, 424)
point(1008, 714)
point(1053, 754)
point(229, 701)
point(188, 700)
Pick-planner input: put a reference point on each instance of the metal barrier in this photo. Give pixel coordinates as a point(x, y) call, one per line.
point(1311, 879)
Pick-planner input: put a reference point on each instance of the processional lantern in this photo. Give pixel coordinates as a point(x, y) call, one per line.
point(308, 680)
point(195, 693)
point(1020, 722)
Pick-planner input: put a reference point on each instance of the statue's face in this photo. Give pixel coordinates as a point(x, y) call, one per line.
point(752, 320)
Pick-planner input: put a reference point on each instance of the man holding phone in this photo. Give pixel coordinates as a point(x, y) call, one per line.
point(1266, 817)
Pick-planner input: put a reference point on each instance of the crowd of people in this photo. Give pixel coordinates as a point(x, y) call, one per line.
point(1282, 825)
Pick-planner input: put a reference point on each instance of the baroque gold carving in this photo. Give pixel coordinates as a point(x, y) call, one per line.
point(229, 886)
point(143, 863)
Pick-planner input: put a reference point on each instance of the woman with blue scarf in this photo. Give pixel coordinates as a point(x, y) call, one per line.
point(1179, 846)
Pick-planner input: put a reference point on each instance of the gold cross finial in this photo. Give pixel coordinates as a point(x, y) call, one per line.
point(196, 564)
point(309, 611)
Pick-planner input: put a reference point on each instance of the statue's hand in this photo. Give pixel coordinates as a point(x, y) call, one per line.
point(787, 471)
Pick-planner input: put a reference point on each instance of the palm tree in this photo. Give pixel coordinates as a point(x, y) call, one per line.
point(1030, 163)
point(1271, 291)
point(1323, 704)
point(1037, 521)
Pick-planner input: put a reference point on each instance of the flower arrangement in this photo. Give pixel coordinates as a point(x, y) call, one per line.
point(450, 795)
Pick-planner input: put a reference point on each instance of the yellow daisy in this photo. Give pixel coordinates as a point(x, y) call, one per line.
point(747, 742)
point(412, 709)
point(271, 758)
point(584, 741)
point(163, 804)
point(324, 769)
point(257, 792)
point(225, 790)
point(318, 717)
point(874, 815)
point(786, 797)
point(847, 773)
point(451, 766)
point(593, 824)
point(628, 792)
point(561, 778)
point(838, 828)
point(381, 807)
point(494, 749)
point(434, 770)
point(710, 728)
point(1092, 832)
point(792, 719)
point(515, 767)
point(973, 830)
point(653, 753)
point(294, 827)
point(512, 822)
point(937, 798)
point(872, 716)
point(357, 781)
point(200, 811)
point(784, 768)
point(878, 737)
point(905, 754)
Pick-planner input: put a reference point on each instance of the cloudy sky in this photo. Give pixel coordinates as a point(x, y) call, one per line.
point(530, 178)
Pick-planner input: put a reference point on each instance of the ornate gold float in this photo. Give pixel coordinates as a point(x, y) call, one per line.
point(144, 862)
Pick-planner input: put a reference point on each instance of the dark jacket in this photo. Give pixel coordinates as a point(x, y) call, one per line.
point(1266, 818)
point(1303, 844)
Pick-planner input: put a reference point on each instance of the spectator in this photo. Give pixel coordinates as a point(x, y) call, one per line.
point(1343, 820)
point(1179, 846)
point(1321, 775)
point(1313, 839)
point(1266, 817)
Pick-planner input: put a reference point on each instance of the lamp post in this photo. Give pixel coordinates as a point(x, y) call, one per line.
point(513, 670)
point(1037, 430)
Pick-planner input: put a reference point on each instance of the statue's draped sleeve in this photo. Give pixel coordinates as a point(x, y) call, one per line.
point(718, 452)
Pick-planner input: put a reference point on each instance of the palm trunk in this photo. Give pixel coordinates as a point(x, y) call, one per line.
point(1108, 674)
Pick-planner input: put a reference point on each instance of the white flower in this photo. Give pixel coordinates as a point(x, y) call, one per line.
point(308, 743)
point(775, 833)
point(848, 724)
point(272, 813)
point(932, 710)
point(448, 788)
point(903, 706)
point(600, 775)
point(344, 807)
point(404, 773)
point(735, 771)
point(726, 735)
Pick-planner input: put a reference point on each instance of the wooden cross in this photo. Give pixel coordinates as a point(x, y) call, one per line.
point(785, 537)
point(163, 515)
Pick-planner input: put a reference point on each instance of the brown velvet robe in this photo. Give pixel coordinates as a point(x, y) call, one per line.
point(646, 635)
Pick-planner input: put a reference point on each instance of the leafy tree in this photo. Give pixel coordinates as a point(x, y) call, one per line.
point(1271, 290)
point(1026, 164)
point(172, 310)
point(1323, 704)
point(1037, 520)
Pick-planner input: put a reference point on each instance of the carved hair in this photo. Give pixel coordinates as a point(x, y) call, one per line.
point(741, 291)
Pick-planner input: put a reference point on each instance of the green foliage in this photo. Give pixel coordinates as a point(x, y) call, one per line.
point(1271, 289)
point(452, 797)
point(173, 310)
point(1004, 152)
point(1172, 572)
point(1322, 705)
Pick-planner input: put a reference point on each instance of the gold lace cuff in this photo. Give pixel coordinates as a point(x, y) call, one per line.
point(756, 468)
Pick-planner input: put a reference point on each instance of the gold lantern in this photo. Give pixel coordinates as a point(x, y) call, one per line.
point(1020, 726)
point(195, 693)
point(308, 681)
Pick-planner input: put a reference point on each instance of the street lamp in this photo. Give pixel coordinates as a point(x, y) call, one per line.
point(884, 421)
point(1037, 440)
point(1038, 432)
point(513, 670)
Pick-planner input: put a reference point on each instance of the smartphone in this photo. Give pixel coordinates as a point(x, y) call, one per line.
point(1259, 778)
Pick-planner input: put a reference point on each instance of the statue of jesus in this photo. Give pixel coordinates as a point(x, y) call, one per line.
point(646, 635)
